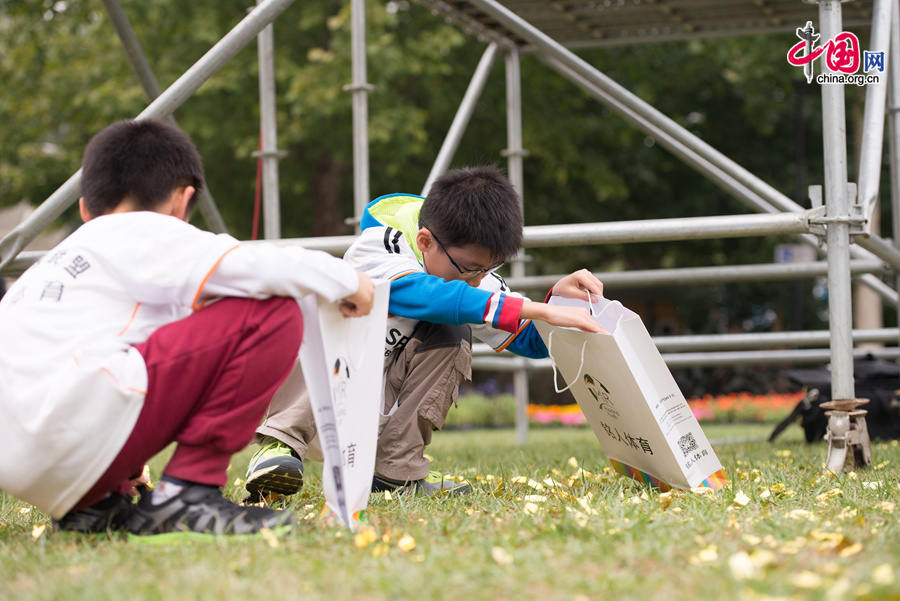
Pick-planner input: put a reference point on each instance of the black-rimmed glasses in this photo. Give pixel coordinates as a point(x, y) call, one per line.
point(463, 273)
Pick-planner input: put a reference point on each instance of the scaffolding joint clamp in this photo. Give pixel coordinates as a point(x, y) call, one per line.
point(817, 220)
point(265, 154)
point(363, 87)
point(509, 152)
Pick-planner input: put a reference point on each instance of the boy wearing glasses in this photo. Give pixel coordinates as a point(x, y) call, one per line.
point(440, 254)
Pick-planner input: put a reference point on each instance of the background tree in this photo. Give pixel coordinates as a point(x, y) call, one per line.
point(64, 76)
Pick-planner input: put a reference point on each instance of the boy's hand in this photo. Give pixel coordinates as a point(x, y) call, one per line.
point(567, 317)
point(360, 302)
point(578, 284)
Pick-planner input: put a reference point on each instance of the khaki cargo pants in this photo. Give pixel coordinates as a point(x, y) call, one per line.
point(422, 380)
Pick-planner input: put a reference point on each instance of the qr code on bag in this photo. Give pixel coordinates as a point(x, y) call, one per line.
point(687, 443)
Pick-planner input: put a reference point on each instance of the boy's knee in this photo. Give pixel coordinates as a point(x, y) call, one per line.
point(283, 314)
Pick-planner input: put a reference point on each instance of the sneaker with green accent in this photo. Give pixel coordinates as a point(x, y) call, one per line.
point(434, 483)
point(202, 509)
point(275, 468)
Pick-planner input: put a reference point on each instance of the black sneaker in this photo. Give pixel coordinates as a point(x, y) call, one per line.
point(433, 484)
point(203, 509)
point(274, 468)
point(109, 513)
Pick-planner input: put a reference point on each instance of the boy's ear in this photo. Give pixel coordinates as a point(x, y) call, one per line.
point(83, 210)
point(182, 197)
point(424, 240)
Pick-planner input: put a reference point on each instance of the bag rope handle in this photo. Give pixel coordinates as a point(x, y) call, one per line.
point(553, 363)
point(556, 387)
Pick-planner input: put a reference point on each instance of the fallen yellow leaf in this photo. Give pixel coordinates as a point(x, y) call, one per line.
point(762, 558)
point(580, 518)
point(365, 538)
point(37, 530)
point(851, 550)
point(741, 566)
point(531, 508)
point(379, 550)
point(535, 498)
point(792, 547)
point(883, 575)
point(406, 543)
point(551, 483)
point(834, 492)
point(528, 482)
point(752, 540)
point(706, 555)
point(501, 556)
point(269, 537)
point(807, 580)
point(801, 514)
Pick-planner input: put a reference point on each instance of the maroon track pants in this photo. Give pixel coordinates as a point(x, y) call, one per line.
point(210, 379)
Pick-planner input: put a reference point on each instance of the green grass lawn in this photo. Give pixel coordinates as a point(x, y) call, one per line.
point(780, 530)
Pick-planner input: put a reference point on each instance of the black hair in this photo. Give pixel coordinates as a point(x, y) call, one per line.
point(475, 205)
point(141, 160)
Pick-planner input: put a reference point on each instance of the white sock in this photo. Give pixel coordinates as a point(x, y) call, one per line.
point(164, 491)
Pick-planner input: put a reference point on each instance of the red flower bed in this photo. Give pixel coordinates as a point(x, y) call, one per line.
point(733, 407)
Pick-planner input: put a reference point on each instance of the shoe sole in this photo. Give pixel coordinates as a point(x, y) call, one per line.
point(276, 479)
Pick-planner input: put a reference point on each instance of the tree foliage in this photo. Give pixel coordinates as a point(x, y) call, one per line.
point(64, 76)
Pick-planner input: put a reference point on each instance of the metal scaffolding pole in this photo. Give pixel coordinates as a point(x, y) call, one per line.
point(611, 232)
point(268, 127)
point(893, 68)
point(360, 89)
point(676, 360)
point(643, 278)
point(725, 181)
point(162, 107)
point(647, 278)
point(463, 114)
point(719, 168)
point(514, 153)
point(873, 117)
point(655, 230)
point(623, 97)
point(756, 340)
point(205, 202)
point(838, 210)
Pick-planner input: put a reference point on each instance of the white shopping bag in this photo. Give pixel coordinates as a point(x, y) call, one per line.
point(343, 364)
point(631, 400)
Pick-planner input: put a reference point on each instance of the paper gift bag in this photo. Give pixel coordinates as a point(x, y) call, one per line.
point(343, 363)
point(631, 400)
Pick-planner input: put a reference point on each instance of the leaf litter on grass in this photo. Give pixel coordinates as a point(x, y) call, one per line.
point(778, 530)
